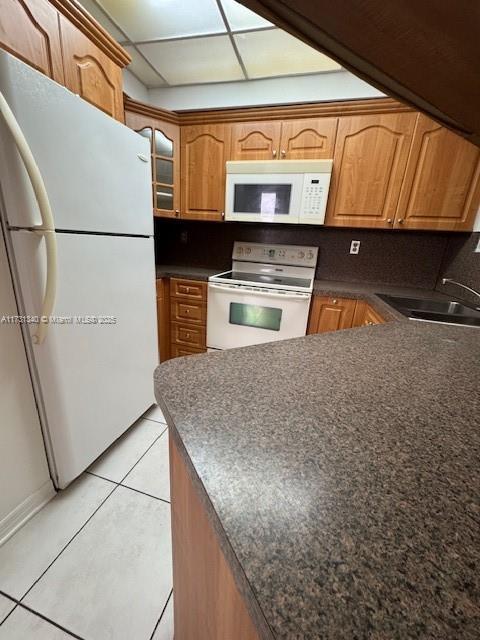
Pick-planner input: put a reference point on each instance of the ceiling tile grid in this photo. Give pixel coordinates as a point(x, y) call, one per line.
point(185, 42)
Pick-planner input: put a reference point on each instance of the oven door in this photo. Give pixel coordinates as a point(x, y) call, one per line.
point(267, 197)
point(238, 316)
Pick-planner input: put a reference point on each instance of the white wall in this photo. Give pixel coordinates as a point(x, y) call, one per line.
point(335, 85)
point(25, 483)
point(134, 88)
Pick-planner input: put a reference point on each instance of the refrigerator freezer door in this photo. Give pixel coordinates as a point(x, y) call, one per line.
point(97, 171)
point(95, 379)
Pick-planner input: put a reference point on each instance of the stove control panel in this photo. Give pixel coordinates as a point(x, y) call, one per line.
point(287, 254)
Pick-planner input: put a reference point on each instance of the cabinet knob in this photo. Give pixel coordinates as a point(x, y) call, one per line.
point(389, 220)
point(274, 153)
point(334, 301)
point(283, 153)
point(187, 310)
point(177, 213)
point(187, 335)
point(400, 221)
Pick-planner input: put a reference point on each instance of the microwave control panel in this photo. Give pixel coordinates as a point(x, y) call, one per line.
point(314, 197)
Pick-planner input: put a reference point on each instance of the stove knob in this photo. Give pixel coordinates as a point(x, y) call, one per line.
point(240, 251)
point(248, 250)
point(301, 254)
point(310, 255)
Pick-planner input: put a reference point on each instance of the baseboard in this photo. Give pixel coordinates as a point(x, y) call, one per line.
point(25, 510)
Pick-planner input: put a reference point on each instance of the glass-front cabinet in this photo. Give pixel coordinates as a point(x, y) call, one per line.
point(164, 138)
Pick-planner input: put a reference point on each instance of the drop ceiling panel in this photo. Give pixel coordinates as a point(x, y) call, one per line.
point(194, 61)
point(143, 70)
point(93, 9)
point(156, 19)
point(277, 53)
point(240, 18)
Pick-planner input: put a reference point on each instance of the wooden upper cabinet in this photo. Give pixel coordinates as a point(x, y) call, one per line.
point(90, 72)
point(330, 314)
point(255, 140)
point(309, 139)
point(164, 138)
point(370, 157)
point(204, 151)
point(29, 30)
point(442, 186)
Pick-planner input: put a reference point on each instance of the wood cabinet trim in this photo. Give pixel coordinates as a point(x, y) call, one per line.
point(80, 17)
point(253, 114)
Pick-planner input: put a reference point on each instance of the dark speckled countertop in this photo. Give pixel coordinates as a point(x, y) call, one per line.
point(342, 474)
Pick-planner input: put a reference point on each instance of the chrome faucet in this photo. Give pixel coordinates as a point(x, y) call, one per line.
point(459, 284)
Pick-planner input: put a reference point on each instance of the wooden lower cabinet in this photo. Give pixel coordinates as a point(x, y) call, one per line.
point(207, 602)
point(365, 315)
point(163, 318)
point(330, 314)
point(333, 314)
point(188, 317)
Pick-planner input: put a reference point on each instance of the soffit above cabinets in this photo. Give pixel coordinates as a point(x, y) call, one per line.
point(185, 42)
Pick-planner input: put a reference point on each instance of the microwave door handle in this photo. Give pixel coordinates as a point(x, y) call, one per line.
point(47, 228)
point(266, 294)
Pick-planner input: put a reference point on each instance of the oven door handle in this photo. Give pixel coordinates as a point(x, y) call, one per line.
point(279, 296)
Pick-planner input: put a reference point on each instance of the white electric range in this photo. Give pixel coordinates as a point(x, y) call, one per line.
point(265, 297)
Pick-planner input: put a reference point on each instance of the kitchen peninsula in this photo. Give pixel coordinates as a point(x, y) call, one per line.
point(332, 486)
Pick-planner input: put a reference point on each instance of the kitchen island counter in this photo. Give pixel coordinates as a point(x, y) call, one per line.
point(341, 475)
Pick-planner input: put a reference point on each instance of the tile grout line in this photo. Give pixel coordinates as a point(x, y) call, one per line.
point(68, 543)
point(20, 602)
point(52, 622)
point(162, 614)
point(5, 595)
point(125, 486)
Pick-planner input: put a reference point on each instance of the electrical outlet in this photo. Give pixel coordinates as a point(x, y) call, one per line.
point(355, 247)
point(477, 248)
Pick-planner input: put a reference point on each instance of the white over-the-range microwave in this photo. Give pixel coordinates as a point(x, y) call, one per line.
point(288, 191)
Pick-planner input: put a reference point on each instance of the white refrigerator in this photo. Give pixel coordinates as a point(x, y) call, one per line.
point(81, 253)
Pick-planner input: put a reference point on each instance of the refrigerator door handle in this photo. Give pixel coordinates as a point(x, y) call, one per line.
point(47, 228)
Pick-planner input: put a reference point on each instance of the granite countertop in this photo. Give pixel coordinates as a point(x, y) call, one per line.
point(358, 290)
point(182, 271)
point(341, 473)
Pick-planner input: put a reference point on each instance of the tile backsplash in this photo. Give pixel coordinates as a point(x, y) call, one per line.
point(388, 257)
point(461, 263)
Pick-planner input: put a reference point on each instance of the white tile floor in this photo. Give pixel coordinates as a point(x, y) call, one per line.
point(95, 563)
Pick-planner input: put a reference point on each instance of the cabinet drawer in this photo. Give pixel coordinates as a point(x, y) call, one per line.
point(188, 335)
point(176, 351)
point(189, 289)
point(188, 311)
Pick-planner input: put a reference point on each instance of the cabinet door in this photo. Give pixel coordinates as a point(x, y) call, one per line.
point(310, 139)
point(330, 314)
point(163, 318)
point(166, 169)
point(369, 165)
point(255, 140)
point(91, 73)
point(365, 315)
point(204, 151)
point(29, 30)
point(442, 187)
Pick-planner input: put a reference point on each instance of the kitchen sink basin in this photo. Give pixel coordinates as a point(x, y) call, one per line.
point(444, 311)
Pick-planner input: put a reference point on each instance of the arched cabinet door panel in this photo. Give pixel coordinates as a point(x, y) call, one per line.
point(255, 140)
point(204, 151)
point(370, 157)
point(308, 139)
point(29, 30)
point(442, 182)
point(91, 73)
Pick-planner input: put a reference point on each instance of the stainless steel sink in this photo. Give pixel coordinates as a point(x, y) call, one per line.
point(448, 311)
